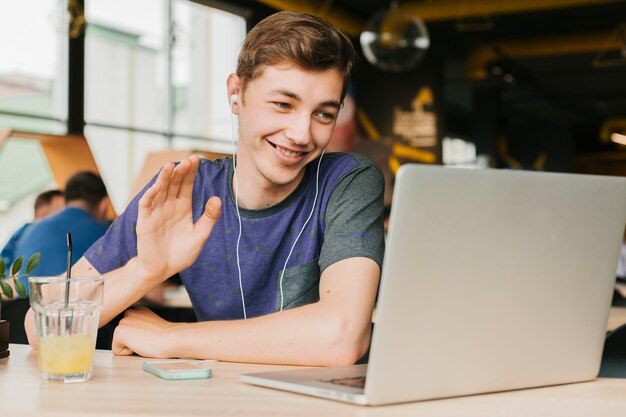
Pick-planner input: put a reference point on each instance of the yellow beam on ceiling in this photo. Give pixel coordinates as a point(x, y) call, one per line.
point(458, 9)
point(349, 24)
point(598, 42)
point(429, 10)
point(455, 9)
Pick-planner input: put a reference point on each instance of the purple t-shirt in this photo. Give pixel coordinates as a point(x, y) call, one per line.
point(347, 221)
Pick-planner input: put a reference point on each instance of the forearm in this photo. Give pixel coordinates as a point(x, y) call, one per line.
point(122, 288)
point(309, 335)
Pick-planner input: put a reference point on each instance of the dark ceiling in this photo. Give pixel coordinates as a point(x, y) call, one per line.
point(564, 63)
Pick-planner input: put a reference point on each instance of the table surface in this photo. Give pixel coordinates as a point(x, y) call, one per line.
point(120, 387)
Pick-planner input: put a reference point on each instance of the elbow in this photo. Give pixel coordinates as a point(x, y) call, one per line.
point(347, 343)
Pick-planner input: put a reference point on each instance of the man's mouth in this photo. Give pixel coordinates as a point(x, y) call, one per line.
point(286, 152)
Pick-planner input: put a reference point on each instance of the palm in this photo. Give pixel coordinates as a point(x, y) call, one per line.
point(167, 239)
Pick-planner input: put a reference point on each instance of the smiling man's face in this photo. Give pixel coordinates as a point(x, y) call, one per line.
point(286, 119)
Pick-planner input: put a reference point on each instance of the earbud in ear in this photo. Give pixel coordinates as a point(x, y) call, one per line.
point(234, 98)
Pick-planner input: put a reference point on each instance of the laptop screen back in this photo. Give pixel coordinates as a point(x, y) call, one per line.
point(493, 280)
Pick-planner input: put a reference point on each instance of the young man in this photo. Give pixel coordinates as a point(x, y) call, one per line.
point(291, 243)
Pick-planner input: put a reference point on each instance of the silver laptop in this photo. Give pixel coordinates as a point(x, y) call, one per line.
point(492, 281)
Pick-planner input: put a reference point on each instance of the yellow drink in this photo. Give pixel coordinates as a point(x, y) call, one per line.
point(70, 354)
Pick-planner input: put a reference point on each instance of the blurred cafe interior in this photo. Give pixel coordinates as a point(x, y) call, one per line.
point(119, 87)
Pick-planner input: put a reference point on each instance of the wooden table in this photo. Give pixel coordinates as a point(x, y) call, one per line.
point(120, 387)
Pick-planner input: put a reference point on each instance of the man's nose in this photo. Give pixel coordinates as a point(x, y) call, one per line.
point(299, 130)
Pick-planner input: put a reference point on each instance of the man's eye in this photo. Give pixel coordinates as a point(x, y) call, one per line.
point(281, 105)
point(326, 116)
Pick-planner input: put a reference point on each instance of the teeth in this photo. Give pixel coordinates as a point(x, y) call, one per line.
point(286, 152)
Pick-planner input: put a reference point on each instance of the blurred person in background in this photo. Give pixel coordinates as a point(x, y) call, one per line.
point(46, 204)
point(84, 216)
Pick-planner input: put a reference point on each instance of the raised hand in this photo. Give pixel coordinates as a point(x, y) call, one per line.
point(167, 239)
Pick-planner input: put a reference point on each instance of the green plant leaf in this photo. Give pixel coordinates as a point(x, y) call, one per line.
point(17, 265)
point(19, 287)
point(32, 262)
point(3, 268)
point(6, 289)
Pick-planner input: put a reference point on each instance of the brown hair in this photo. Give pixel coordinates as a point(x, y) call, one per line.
point(303, 39)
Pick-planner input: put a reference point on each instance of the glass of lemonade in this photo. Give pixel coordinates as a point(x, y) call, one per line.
point(66, 323)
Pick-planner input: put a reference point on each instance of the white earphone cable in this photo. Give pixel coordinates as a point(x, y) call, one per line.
point(282, 274)
point(232, 127)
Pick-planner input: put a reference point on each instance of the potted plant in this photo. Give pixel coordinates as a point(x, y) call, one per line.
point(7, 291)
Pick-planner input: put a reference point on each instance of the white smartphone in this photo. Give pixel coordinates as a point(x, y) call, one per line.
point(178, 369)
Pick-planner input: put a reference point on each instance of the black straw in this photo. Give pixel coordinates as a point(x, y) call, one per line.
point(68, 274)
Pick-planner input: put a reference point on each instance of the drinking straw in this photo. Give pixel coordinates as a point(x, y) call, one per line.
point(68, 274)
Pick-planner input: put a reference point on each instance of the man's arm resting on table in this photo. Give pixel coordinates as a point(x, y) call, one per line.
point(122, 287)
point(334, 331)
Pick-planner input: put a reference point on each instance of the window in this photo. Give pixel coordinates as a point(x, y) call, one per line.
point(205, 52)
point(20, 183)
point(124, 64)
point(142, 95)
point(33, 85)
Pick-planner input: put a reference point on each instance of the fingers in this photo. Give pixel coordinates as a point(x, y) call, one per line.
point(140, 332)
point(177, 177)
point(120, 350)
point(212, 212)
point(131, 322)
point(163, 180)
point(145, 202)
point(173, 181)
point(158, 190)
point(186, 187)
point(213, 208)
point(118, 347)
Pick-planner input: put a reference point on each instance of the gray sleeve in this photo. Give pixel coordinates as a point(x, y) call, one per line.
point(354, 216)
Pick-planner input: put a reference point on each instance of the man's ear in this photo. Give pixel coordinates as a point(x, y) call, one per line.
point(232, 88)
